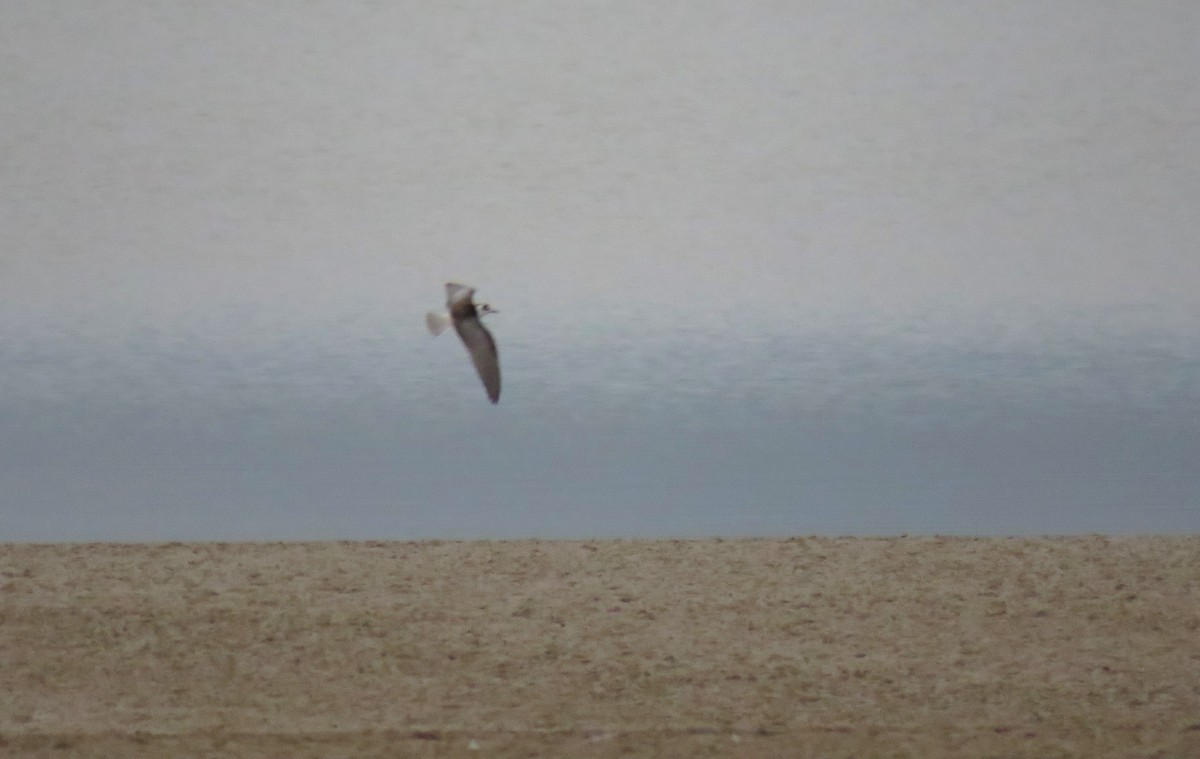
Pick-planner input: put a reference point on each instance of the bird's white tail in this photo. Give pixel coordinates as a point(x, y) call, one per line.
point(437, 323)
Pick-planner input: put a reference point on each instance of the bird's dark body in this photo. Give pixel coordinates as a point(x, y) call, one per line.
point(476, 338)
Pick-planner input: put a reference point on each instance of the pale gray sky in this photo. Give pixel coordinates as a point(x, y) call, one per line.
point(161, 155)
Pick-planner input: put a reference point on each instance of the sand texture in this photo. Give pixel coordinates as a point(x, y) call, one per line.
point(899, 647)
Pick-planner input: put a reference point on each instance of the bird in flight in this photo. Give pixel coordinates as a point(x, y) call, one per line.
point(464, 314)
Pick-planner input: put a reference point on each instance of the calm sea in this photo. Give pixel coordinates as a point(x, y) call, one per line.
point(867, 268)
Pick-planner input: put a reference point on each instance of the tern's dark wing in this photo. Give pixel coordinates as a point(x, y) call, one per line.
point(456, 292)
point(482, 348)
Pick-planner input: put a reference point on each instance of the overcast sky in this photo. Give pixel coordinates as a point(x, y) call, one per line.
point(170, 156)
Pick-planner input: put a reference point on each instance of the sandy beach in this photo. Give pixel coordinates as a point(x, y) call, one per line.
point(890, 647)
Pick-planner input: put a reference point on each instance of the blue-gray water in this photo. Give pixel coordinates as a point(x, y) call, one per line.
point(865, 268)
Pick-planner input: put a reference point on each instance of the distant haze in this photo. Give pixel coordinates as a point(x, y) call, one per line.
point(856, 267)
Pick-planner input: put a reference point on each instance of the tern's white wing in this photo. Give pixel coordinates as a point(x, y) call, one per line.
point(482, 348)
point(437, 323)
